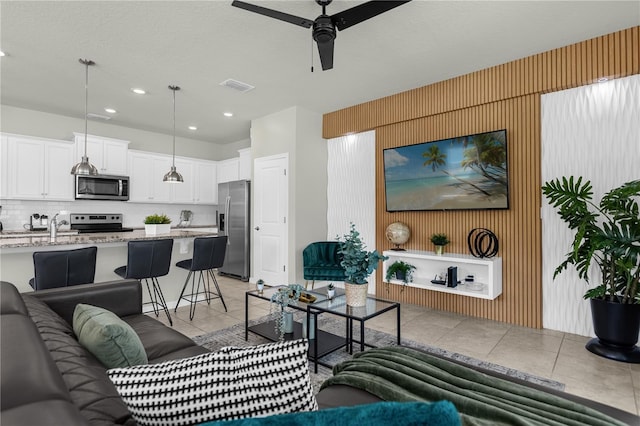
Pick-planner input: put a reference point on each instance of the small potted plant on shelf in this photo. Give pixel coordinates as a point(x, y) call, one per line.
point(358, 264)
point(281, 299)
point(439, 240)
point(331, 291)
point(402, 271)
point(260, 285)
point(157, 224)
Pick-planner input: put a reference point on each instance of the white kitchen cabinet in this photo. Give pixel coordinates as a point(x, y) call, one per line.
point(200, 185)
point(205, 178)
point(184, 193)
point(244, 164)
point(487, 272)
point(3, 165)
point(146, 171)
point(39, 168)
point(228, 170)
point(107, 154)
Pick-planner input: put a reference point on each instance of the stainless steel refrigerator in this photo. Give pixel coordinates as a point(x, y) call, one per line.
point(233, 221)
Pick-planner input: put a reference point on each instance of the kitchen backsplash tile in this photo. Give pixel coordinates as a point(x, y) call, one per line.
point(15, 213)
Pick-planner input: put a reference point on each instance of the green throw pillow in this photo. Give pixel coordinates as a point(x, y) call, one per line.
point(107, 337)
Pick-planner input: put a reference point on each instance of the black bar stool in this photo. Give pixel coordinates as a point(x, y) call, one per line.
point(63, 268)
point(208, 254)
point(148, 260)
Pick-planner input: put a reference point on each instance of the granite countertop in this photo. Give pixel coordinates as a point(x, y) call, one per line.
point(15, 239)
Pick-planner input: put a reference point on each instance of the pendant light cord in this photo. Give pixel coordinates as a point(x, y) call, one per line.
point(86, 103)
point(174, 126)
point(86, 63)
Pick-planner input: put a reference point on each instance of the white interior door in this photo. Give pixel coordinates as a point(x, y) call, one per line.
point(270, 229)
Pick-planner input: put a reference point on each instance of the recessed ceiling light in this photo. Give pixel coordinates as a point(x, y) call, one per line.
point(110, 110)
point(138, 91)
point(228, 114)
point(193, 128)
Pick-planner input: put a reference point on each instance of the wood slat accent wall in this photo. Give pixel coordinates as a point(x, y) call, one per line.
point(614, 55)
point(502, 97)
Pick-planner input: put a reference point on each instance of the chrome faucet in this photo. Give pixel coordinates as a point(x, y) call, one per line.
point(54, 225)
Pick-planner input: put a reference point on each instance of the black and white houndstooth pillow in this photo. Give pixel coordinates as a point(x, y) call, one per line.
point(232, 383)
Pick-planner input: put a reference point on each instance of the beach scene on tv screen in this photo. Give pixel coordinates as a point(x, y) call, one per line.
point(468, 172)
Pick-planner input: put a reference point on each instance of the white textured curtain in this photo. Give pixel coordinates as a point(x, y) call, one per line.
point(591, 131)
point(351, 188)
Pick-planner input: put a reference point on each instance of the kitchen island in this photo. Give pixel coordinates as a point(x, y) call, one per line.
point(17, 248)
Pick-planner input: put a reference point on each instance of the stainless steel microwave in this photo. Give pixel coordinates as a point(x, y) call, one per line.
point(102, 187)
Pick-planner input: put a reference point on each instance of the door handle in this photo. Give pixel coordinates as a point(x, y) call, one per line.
point(257, 228)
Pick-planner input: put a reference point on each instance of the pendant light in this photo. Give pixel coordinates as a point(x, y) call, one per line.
point(173, 176)
point(84, 167)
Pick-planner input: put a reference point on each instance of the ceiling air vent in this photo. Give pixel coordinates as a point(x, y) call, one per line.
point(237, 85)
point(93, 116)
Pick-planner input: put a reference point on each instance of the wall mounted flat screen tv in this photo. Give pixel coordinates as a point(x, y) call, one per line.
point(462, 173)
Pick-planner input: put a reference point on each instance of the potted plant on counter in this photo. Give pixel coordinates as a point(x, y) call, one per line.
point(358, 264)
point(439, 240)
point(607, 235)
point(402, 271)
point(157, 224)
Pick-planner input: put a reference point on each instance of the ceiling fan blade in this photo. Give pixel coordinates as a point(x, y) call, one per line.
point(292, 19)
point(362, 12)
point(326, 54)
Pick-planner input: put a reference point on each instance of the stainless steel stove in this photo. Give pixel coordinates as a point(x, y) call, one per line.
point(86, 223)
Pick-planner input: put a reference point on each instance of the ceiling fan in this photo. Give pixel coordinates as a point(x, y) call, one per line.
point(324, 26)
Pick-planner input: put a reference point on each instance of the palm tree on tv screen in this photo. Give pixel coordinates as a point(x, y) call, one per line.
point(486, 154)
point(435, 158)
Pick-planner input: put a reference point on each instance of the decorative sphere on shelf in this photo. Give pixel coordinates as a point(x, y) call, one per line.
point(398, 233)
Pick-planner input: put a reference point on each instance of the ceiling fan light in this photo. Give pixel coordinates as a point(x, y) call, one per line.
point(173, 176)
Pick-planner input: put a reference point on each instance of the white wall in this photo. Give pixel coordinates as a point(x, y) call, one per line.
point(309, 184)
point(591, 131)
point(351, 189)
point(298, 132)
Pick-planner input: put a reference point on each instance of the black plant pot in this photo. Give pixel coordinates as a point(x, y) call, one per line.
point(617, 326)
point(401, 275)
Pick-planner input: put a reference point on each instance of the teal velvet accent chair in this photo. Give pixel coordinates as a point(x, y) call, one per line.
point(321, 262)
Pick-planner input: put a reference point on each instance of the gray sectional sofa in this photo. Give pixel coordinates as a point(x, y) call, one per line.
point(48, 378)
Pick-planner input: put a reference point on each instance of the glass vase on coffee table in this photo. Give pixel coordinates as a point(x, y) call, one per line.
point(325, 342)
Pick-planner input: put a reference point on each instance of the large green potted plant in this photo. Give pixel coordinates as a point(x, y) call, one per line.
point(607, 235)
point(358, 264)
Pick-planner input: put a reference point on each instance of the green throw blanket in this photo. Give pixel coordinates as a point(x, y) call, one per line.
point(404, 374)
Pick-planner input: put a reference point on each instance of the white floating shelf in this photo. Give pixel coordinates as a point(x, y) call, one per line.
point(487, 272)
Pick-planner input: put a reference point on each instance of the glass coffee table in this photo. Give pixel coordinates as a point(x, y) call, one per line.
point(338, 306)
point(324, 342)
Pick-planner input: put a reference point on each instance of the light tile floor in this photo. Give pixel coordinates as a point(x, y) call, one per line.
point(551, 354)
